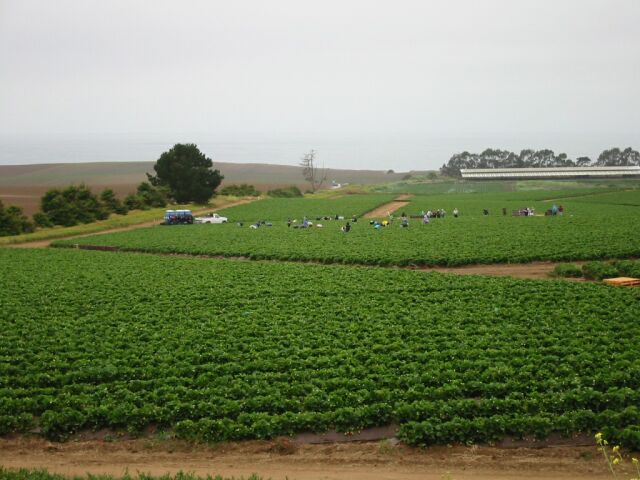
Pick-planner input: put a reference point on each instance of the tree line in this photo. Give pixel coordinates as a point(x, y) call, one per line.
point(495, 158)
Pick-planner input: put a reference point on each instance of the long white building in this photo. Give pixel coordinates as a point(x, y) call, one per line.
point(548, 172)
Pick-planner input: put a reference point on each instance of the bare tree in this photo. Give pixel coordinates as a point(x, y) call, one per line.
point(311, 172)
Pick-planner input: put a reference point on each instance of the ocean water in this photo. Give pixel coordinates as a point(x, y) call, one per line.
point(400, 152)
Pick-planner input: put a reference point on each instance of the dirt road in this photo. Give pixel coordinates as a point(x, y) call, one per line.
point(384, 210)
point(278, 460)
point(46, 243)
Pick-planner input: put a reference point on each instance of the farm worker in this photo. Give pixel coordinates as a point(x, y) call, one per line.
point(288, 222)
point(429, 213)
point(346, 228)
point(560, 209)
point(305, 222)
point(442, 212)
point(425, 219)
point(485, 212)
point(455, 212)
point(385, 223)
point(554, 209)
point(377, 225)
point(504, 211)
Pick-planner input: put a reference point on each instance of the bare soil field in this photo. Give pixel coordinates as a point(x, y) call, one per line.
point(23, 185)
point(281, 459)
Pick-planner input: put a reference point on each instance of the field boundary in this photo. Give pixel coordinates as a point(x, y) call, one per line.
point(536, 270)
point(281, 459)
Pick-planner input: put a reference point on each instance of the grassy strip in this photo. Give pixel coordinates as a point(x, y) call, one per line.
point(114, 221)
point(28, 474)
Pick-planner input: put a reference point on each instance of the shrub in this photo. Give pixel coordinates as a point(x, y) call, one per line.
point(150, 196)
point(628, 268)
point(134, 202)
point(567, 270)
point(599, 270)
point(111, 203)
point(288, 192)
point(243, 190)
point(146, 196)
point(42, 220)
point(13, 221)
point(73, 205)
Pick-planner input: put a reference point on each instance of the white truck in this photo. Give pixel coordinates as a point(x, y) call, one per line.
point(211, 218)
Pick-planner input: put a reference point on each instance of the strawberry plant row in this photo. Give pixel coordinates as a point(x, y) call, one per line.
point(280, 209)
point(584, 232)
point(222, 350)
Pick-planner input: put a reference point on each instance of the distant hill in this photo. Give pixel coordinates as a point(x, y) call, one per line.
point(23, 185)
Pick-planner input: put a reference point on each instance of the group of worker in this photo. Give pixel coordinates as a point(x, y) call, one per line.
point(528, 211)
point(404, 219)
point(437, 213)
point(306, 223)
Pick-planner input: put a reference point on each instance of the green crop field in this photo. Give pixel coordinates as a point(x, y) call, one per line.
point(630, 197)
point(220, 350)
point(420, 186)
point(279, 209)
point(586, 231)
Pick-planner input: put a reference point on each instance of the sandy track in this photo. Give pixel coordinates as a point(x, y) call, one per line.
point(384, 210)
point(372, 460)
point(46, 243)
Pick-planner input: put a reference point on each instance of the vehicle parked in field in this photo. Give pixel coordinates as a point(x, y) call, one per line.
point(212, 218)
point(178, 217)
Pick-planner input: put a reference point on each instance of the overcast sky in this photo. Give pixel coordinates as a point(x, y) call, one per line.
point(273, 68)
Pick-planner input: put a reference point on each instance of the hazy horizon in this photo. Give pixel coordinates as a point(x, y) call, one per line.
point(400, 85)
point(400, 153)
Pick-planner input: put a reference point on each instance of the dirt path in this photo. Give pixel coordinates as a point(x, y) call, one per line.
point(279, 460)
point(384, 210)
point(151, 223)
point(533, 270)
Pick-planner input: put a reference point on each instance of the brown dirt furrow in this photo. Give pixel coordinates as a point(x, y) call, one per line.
point(280, 459)
point(533, 270)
